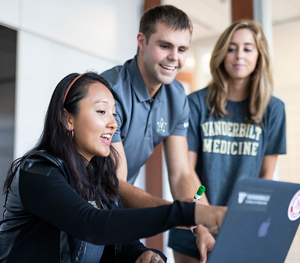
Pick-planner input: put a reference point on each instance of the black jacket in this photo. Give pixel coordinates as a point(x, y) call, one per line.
point(45, 220)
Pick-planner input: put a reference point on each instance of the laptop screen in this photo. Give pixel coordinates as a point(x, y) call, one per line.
point(261, 222)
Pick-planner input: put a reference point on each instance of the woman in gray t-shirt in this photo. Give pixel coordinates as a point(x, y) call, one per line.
point(237, 128)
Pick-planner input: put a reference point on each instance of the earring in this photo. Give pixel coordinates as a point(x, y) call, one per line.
point(70, 133)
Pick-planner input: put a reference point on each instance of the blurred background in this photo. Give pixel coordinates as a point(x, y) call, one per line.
point(41, 41)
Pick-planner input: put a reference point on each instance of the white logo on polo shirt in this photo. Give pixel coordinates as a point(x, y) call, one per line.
point(186, 124)
point(161, 125)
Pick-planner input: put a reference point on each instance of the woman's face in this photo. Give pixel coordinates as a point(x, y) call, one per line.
point(240, 60)
point(95, 124)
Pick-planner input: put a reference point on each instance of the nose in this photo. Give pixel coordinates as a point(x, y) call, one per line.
point(173, 55)
point(240, 54)
point(112, 124)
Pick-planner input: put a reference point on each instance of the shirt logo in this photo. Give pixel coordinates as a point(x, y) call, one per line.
point(186, 124)
point(161, 125)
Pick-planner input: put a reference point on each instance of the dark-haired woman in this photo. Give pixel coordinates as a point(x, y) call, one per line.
point(62, 202)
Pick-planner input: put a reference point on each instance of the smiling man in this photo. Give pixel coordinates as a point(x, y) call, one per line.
point(152, 106)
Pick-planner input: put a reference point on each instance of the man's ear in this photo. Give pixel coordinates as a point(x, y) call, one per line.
point(141, 40)
point(69, 120)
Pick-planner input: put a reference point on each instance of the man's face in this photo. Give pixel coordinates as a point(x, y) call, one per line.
point(163, 56)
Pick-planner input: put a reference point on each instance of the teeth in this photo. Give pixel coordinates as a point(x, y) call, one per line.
point(167, 67)
point(106, 136)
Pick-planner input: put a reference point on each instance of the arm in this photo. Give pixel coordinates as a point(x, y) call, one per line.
point(136, 252)
point(133, 197)
point(268, 166)
point(51, 199)
point(204, 240)
point(276, 139)
point(183, 184)
point(181, 181)
point(193, 157)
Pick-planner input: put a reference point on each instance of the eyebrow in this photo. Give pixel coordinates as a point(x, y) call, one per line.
point(101, 101)
point(161, 41)
point(247, 43)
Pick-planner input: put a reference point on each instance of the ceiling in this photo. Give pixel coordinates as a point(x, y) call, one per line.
point(211, 17)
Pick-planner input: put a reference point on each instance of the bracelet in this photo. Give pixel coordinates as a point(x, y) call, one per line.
point(192, 230)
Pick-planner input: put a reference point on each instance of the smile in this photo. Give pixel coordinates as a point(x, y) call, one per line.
point(168, 67)
point(106, 138)
point(239, 65)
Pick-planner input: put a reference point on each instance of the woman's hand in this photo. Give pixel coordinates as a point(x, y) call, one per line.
point(205, 242)
point(210, 217)
point(149, 257)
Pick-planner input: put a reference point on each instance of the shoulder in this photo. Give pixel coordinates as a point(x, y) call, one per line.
point(275, 102)
point(176, 85)
point(117, 75)
point(175, 95)
point(275, 105)
point(42, 163)
point(198, 97)
point(176, 90)
point(198, 94)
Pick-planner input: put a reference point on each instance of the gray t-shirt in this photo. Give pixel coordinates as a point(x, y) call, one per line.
point(144, 122)
point(230, 148)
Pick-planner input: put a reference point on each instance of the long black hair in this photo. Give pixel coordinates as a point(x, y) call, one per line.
point(99, 176)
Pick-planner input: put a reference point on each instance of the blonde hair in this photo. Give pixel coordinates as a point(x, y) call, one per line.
point(261, 80)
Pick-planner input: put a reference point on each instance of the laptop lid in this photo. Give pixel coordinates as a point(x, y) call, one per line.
point(261, 222)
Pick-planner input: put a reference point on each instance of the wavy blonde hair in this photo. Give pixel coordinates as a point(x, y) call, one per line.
point(261, 80)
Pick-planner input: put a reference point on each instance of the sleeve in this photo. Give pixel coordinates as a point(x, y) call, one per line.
point(276, 139)
point(53, 200)
point(183, 122)
point(193, 136)
point(119, 119)
point(131, 251)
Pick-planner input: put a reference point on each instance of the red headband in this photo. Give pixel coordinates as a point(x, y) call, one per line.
point(71, 84)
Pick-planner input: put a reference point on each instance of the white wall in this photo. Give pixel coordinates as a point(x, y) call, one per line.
point(10, 13)
point(41, 65)
point(287, 88)
point(56, 38)
point(286, 42)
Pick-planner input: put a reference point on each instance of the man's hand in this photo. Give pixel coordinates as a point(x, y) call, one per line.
point(210, 216)
point(149, 257)
point(205, 242)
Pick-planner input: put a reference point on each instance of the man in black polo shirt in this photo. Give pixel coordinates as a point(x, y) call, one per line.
point(152, 107)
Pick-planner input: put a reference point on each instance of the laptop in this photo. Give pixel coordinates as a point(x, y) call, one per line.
point(261, 222)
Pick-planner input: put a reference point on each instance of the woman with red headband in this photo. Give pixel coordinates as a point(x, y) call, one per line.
point(62, 201)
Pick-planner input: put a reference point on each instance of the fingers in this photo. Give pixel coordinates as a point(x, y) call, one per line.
point(213, 230)
point(205, 242)
point(156, 259)
point(210, 216)
point(223, 210)
point(203, 253)
point(149, 257)
point(203, 256)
